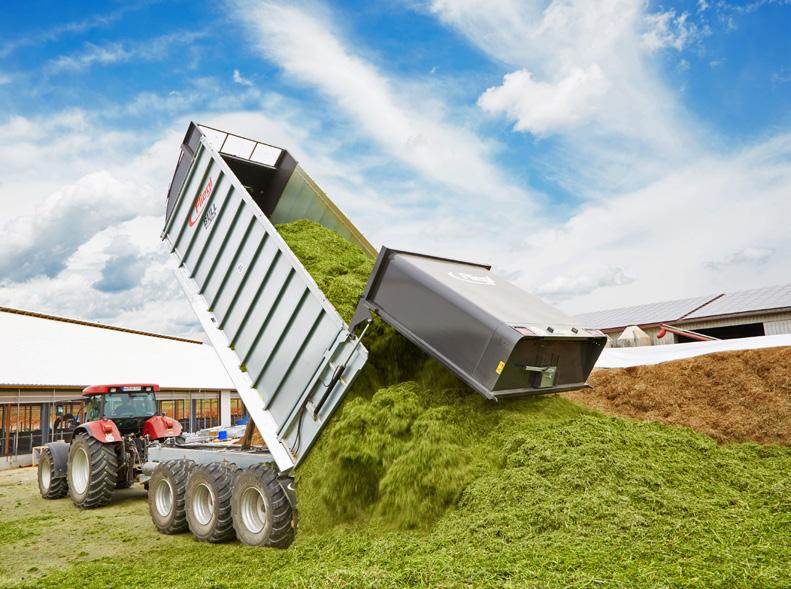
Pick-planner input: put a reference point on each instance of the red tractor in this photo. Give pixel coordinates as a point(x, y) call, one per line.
point(108, 448)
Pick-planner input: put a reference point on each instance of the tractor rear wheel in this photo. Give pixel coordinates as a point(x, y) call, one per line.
point(123, 481)
point(166, 495)
point(208, 502)
point(49, 486)
point(262, 515)
point(92, 472)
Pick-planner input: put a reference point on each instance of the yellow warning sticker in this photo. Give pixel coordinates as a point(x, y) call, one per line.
point(500, 367)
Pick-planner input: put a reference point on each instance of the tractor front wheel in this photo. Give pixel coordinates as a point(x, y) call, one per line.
point(49, 486)
point(92, 472)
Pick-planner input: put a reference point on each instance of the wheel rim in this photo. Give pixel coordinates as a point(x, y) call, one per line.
point(203, 504)
point(252, 508)
point(80, 471)
point(43, 472)
point(163, 497)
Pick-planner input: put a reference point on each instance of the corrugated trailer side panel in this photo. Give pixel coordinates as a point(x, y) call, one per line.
point(257, 302)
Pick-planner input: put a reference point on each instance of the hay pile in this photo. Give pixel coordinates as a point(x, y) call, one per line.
point(740, 396)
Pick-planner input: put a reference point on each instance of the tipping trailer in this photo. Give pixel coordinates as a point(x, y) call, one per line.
point(287, 350)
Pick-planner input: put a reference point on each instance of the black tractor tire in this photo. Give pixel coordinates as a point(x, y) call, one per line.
point(167, 494)
point(208, 502)
point(262, 514)
point(92, 472)
point(49, 486)
point(123, 481)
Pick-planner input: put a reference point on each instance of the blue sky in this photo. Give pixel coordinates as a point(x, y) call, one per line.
point(598, 153)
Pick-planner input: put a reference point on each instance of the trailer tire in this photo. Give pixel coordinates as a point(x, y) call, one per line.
point(208, 502)
point(92, 472)
point(50, 486)
point(166, 498)
point(262, 514)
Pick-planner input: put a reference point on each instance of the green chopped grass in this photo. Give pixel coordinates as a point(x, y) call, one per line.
point(418, 481)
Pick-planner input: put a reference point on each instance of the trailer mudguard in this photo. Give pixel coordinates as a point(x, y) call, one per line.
point(103, 430)
point(60, 458)
point(161, 426)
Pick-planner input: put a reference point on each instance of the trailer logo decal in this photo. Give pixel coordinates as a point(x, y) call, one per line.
point(200, 202)
point(472, 278)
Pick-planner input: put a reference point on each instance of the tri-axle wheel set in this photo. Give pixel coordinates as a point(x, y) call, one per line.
point(217, 502)
point(217, 492)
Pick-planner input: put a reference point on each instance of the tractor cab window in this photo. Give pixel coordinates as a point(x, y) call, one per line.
point(129, 405)
point(93, 409)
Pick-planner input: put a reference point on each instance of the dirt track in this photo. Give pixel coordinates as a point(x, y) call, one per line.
point(731, 396)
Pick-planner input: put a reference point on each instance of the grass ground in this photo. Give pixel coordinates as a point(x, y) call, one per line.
point(567, 498)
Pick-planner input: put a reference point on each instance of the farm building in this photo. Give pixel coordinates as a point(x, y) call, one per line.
point(746, 313)
point(48, 360)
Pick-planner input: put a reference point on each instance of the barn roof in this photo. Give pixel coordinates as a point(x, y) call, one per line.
point(39, 350)
point(760, 300)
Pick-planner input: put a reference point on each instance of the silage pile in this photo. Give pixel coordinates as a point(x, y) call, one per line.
point(742, 396)
point(411, 442)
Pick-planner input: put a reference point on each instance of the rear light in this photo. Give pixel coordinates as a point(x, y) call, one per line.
point(107, 427)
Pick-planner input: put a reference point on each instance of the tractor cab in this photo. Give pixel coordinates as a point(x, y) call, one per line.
point(131, 407)
point(128, 406)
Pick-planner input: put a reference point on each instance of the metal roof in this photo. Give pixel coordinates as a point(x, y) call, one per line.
point(746, 301)
point(94, 324)
point(642, 314)
point(46, 351)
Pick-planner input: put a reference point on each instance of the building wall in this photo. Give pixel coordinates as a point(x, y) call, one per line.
point(774, 324)
point(778, 327)
point(29, 417)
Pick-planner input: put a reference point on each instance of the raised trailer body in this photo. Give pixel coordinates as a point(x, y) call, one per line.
point(284, 346)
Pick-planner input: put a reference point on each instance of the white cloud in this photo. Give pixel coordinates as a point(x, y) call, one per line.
point(155, 49)
point(408, 124)
point(565, 286)
point(747, 256)
point(73, 27)
point(43, 154)
point(146, 297)
point(665, 235)
point(669, 30)
point(240, 79)
point(42, 242)
point(541, 107)
point(100, 199)
point(625, 129)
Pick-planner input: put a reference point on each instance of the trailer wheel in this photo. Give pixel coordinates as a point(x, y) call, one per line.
point(167, 488)
point(50, 486)
point(208, 502)
point(92, 472)
point(262, 514)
